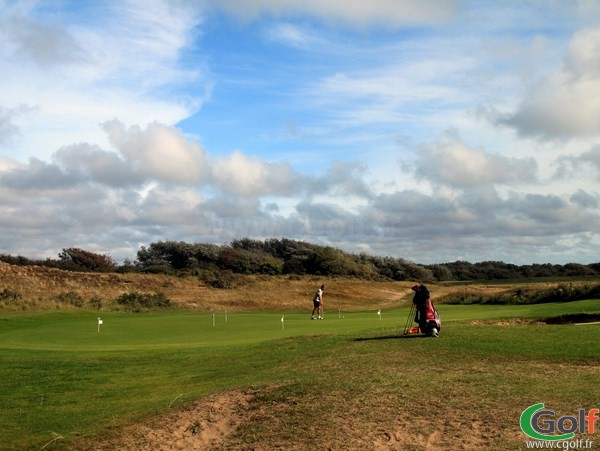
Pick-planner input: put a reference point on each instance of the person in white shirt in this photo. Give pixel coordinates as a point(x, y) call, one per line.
point(318, 302)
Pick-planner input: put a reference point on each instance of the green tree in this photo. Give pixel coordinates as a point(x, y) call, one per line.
point(80, 260)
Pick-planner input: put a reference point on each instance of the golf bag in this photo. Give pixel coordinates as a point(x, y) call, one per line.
point(426, 315)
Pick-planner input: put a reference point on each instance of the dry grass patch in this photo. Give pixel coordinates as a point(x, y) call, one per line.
point(35, 287)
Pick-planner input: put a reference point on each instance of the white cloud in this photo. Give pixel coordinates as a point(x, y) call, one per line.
point(142, 42)
point(159, 152)
point(38, 175)
point(410, 86)
point(9, 129)
point(292, 35)
point(584, 199)
point(95, 122)
point(251, 176)
point(7, 164)
point(566, 103)
point(592, 157)
point(170, 206)
point(583, 167)
point(111, 59)
point(232, 208)
point(45, 44)
point(452, 162)
point(96, 165)
point(356, 13)
point(344, 179)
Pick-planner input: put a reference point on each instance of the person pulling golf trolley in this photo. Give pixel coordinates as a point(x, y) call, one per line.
point(425, 314)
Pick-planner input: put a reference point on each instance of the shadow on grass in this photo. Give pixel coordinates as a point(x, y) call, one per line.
point(391, 337)
point(572, 318)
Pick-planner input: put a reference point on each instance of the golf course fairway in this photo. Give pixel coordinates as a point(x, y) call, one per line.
point(74, 379)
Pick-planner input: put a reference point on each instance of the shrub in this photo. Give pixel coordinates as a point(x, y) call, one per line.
point(176, 256)
point(137, 302)
point(80, 260)
point(69, 298)
point(220, 279)
point(272, 267)
point(95, 302)
point(9, 295)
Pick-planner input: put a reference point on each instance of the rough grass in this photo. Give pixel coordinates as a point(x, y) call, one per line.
point(39, 288)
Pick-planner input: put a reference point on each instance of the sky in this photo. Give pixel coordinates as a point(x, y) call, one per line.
point(430, 131)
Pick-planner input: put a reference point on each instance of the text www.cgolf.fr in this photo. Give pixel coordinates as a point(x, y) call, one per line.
point(560, 444)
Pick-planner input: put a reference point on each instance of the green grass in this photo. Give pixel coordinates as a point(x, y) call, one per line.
point(60, 377)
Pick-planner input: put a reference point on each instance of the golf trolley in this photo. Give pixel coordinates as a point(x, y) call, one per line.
point(428, 320)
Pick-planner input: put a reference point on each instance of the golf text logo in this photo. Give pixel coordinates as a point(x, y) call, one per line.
point(540, 423)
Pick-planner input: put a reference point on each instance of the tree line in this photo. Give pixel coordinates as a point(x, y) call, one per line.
point(217, 264)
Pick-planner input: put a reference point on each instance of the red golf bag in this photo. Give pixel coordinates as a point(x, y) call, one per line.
point(426, 315)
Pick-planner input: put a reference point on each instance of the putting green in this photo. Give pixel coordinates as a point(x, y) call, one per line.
point(80, 331)
point(123, 331)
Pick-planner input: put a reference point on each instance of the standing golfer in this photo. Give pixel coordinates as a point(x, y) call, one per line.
point(318, 302)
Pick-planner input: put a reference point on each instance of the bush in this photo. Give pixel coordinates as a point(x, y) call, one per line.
point(9, 295)
point(176, 256)
point(79, 260)
point(220, 279)
point(95, 302)
point(248, 261)
point(156, 267)
point(330, 261)
point(69, 298)
point(271, 267)
point(137, 302)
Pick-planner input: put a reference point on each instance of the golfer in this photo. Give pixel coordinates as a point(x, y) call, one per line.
point(318, 302)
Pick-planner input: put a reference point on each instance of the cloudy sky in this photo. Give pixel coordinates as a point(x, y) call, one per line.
point(433, 131)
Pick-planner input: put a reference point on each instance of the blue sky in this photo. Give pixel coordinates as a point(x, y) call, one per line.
point(432, 131)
